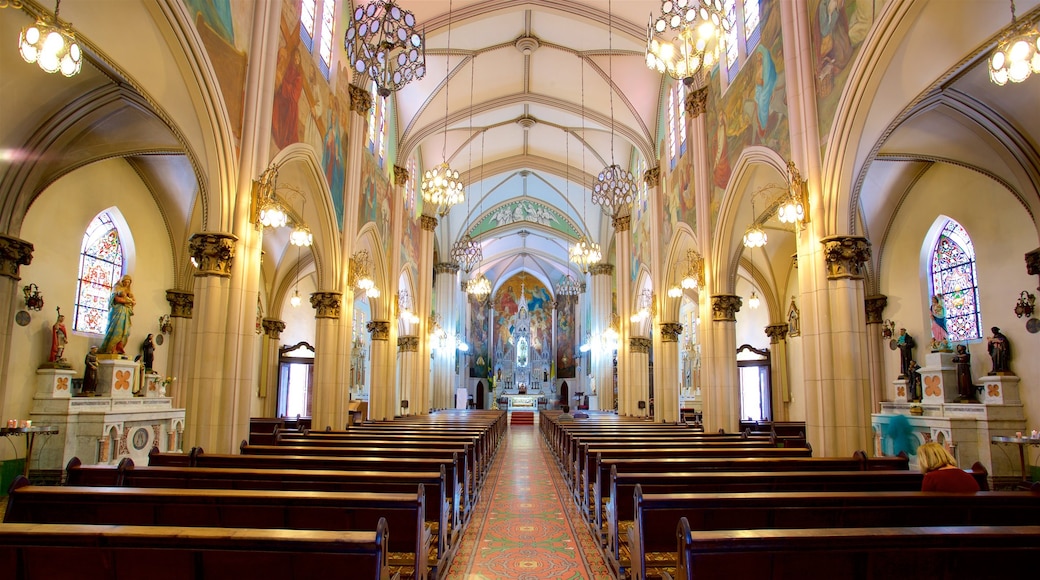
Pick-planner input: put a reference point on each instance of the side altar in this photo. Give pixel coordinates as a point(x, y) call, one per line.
point(967, 428)
point(109, 426)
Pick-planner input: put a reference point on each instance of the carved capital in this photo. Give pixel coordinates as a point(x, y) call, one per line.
point(875, 306)
point(777, 332)
point(360, 100)
point(181, 303)
point(652, 176)
point(401, 175)
point(794, 260)
point(670, 331)
point(724, 307)
point(1033, 263)
point(640, 344)
point(379, 329)
point(697, 102)
point(212, 253)
point(845, 256)
point(14, 254)
point(273, 328)
point(326, 304)
point(622, 223)
point(602, 270)
point(408, 343)
point(446, 268)
point(428, 222)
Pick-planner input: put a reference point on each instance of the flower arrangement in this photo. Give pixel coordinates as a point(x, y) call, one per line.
point(166, 383)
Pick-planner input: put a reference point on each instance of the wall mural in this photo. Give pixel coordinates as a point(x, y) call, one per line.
point(678, 201)
point(753, 111)
point(215, 22)
point(477, 338)
point(524, 211)
point(410, 245)
point(506, 305)
point(566, 341)
point(838, 28)
point(307, 109)
point(375, 200)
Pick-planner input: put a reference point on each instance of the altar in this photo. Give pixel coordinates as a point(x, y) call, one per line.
point(525, 402)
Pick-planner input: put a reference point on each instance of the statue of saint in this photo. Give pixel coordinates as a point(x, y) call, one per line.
point(940, 340)
point(59, 338)
point(121, 309)
point(965, 386)
point(793, 324)
point(148, 352)
point(905, 344)
point(1000, 352)
point(90, 372)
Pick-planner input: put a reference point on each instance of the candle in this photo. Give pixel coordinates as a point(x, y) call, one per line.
point(12, 423)
point(1018, 434)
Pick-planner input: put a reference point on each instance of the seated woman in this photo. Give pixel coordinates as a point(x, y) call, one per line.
point(941, 472)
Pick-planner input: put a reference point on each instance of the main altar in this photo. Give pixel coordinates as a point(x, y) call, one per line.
point(523, 402)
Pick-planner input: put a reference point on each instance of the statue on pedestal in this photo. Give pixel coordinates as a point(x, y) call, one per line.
point(940, 340)
point(59, 338)
point(905, 343)
point(965, 386)
point(1000, 352)
point(90, 372)
point(913, 385)
point(121, 309)
point(148, 353)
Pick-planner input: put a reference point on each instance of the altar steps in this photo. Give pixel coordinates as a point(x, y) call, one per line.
point(521, 418)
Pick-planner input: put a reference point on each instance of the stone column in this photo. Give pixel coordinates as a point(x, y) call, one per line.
point(423, 306)
point(210, 403)
point(407, 361)
point(666, 369)
point(602, 359)
point(268, 389)
point(626, 402)
point(443, 362)
point(638, 387)
point(842, 410)
point(381, 398)
point(181, 305)
point(777, 334)
point(14, 253)
point(722, 400)
point(875, 315)
point(331, 395)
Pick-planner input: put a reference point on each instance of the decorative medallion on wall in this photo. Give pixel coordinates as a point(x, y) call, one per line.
point(140, 439)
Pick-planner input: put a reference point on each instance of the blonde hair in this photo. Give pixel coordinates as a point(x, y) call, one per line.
point(932, 456)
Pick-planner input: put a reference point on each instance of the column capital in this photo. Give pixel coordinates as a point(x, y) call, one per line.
point(1033, 263)
point(777, 332)
point(360, 100)
point(696, 102)
point(724, 307)
point(273, 328)
point(670, 331)
point(601, 269)
point(379, 329)
point(428, 222)
point(446, 268)
point(401, 175)
point(326, 304)
point(622, 223)
point(181, 303)
point(652, 176)
point(640, 344)
point(875, 306)
point(213, 253)
point(845, 256)
point(14, 253)
point(408, 343)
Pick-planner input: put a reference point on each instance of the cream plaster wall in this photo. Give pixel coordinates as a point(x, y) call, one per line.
point(299, 322)
point(751, 323)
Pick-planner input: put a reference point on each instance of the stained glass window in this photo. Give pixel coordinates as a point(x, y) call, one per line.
point(681, 104)
point(100, 266)
point(328, 12)
point(307, 10)
point(671, 127)
point(954, 278)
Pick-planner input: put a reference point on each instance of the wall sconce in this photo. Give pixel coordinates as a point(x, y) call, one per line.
point(792, 207)
point(361, 273)
point(268, 212)
point(165, 326)
point(694, 275)
point(887, 329)
point(647, 306)
point(33, 298)
point(51, 45)
point(1026, 305)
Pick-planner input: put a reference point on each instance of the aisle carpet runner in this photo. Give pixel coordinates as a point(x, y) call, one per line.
point(520, 528)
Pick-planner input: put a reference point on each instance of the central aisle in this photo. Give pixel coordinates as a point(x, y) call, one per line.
point(525, 526)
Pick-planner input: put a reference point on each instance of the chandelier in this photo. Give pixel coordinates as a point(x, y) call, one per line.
point(755, 237)
point(568, 286)
point(467, 253)
point(381, 41)
point(694, 270)
point(50, 45)
point(301, 236)
point(615, 187)
point(754, 301)
point(361, 273)
point(479, 287)
point(698, 28)
point(1018, 55)
point(442, 188)
point(585, 253)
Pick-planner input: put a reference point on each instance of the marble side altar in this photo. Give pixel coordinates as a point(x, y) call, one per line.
point(525, 402)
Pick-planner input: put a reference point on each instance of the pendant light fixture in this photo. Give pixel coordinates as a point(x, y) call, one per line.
point(441, 186)
point(585, 252)
point(615, 188)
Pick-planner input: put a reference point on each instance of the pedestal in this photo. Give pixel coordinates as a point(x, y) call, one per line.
point(594, 402)
point(902, 387)
point(54, 383)
point(939, 379)
point(153, 386)
point(117, 377)
point(998, 390)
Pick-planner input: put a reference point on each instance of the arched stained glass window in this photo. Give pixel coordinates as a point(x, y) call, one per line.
point(100, 266)
point(955, 279)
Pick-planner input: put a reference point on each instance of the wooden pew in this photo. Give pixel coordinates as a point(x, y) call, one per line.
point(887, 553)
point(408, 545)
point(111, 552)
point(262, 430)
point(438, 510)
point(620, 509)
point(656, 514)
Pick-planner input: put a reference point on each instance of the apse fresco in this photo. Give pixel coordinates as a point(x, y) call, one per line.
point(754, 109)
point(308, 108)
point(215, 21)
point(838, 28)
point(566, 341)
point(375, 200)
point(477, 338)
point(506, 304)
